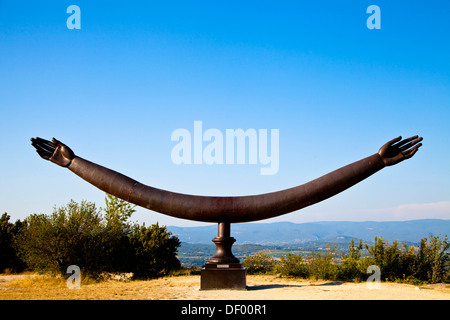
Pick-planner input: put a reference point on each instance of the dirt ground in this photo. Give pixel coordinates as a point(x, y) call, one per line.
point(33, 287)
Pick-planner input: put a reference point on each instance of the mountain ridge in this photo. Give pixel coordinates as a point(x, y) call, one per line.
point(290, 233)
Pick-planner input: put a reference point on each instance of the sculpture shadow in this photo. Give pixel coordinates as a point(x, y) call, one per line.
point(334, 283)
point(278, 286)
point(272, 286)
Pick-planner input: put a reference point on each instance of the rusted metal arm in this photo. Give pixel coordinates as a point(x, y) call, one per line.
point(227, 209)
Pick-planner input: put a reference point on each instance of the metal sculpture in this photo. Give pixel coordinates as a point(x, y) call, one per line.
point(226, 210)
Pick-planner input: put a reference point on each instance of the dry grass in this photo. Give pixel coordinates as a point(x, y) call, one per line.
point(36, 281)
point(44, 287)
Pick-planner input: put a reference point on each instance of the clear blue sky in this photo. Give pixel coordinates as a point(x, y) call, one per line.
point(116, 89)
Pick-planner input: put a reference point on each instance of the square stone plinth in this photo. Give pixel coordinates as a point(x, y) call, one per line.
point(223, 276)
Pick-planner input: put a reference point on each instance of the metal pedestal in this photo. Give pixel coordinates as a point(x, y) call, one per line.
point(223, 270)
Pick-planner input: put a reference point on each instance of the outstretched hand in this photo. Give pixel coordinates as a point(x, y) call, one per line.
point(54, 151)
point(394, 151)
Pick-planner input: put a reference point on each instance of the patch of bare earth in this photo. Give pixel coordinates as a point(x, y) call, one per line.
point(34, 287)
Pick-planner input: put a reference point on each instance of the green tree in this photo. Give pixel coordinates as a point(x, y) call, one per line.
point(9, 258)
point(408, 263)
point(427, 263)
point(155, 251)
point(79, 234)
point(118, 212)
point(387, 257)
point(432, 261)
point(350, 267)
point(73, 234)
point(116, 234)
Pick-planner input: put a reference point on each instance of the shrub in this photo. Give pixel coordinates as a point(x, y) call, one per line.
point(351, 266)
point(9, 259)
point(154, 251)
point(70, 235)
point(78, 234)
point(386, 257)
point(432, 260)
point(116, 233)
point(323, 265)
point(427, 263)
point(292, 265)
point(259, 263)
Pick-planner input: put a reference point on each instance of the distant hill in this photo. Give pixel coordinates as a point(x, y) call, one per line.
point(288, 233)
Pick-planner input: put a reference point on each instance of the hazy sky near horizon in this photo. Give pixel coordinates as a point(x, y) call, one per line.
point(116, 89)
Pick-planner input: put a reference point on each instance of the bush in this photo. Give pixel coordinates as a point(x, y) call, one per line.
point(78, 234)
point(154, 251)
point(428, 263)
point(323, 265)
point(317, 265)
point(386, 257)
point(432, 260)
point(73, 234)
point(292, 265)
point(9, 259)
point(259, 263)
point(117, 232)
point(352, 267)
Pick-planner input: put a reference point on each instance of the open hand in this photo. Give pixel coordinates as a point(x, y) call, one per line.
point(54, 151)
point(394, 151)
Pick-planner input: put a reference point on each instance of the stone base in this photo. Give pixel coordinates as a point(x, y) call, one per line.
point(216, 276)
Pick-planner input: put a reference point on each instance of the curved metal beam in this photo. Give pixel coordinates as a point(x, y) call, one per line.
point(227, 209)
